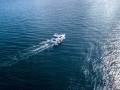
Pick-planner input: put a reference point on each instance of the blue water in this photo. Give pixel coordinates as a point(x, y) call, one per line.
point(88, 59)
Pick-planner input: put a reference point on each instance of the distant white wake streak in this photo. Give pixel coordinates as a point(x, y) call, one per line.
point(36, 49)
point(26, 53)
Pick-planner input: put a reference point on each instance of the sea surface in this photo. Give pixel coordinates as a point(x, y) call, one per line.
point(88, 59)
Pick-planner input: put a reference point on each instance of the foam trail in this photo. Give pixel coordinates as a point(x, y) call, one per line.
point(26, 53)
point(35, 49)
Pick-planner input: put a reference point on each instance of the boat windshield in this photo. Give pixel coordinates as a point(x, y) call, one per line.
point(55, 36)
point(54, 39)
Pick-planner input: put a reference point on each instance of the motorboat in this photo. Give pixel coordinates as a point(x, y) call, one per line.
point(57, 38)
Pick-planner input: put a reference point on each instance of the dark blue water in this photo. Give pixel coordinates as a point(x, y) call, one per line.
point(88, 59)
